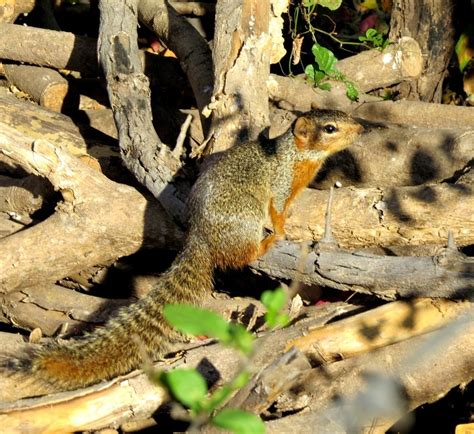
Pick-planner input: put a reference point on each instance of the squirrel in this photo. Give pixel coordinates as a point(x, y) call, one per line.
point(228, 208)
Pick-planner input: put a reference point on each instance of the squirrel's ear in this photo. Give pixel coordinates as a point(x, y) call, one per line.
point(301, 131)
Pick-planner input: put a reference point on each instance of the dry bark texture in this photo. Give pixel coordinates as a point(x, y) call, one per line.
point(240, 98)
point(430, 23)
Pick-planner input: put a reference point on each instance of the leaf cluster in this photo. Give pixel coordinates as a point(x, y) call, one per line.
point(189, 387)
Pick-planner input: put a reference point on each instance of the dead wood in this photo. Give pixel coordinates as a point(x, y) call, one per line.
point(449, 274)
point(365, 217)
point(407, 359)
point(60, 130)
point(23, 196)
point(99, 405)
point(45, 86)
point(298, 95)
point(152, 162)
point(374, 69)
point(409, 18)
point(12, 8)
point(88, 226)
point(341, 340)
point(56, 310)
point(379, 327)
point(60, 50)
point(374, 390)
point(197, 9)
point(240, 97)
point(185, 41)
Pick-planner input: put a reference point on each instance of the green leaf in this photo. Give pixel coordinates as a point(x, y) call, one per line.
point(308, 3)
point(197, 321)
point(274, 300)
point(187, 386)
point(325, 86)
point(238, 421)
point(330, 4)
point(351, 91)
point(314, 75)
point(371, 33)
point(325, 58)
point(241, 338)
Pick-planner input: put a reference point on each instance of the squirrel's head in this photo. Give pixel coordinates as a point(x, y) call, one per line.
point(328, 131)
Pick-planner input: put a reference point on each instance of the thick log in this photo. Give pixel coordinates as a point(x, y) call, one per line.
point(365, 217)
point(240, 97)
point(392, 155)
point(448, 274)
point(298, 95)
point(376, 328)
point(60, 50)
point(151, 161)
point(411, 19)
point(374, 69)
point(45, 86)
point(10, 9)
point(87, 228)
point(54, 309)
point(374, 390)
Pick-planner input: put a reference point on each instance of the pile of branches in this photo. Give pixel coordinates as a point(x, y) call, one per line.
point(397, 232)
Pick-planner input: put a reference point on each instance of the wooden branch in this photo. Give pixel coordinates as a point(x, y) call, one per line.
point(410, 19)
point(448, 275)
point(60, 130)
point(184, 40)
point(298, 95)
point(60, 50)
point(47, 254)
point(240, 97)
point(12, 8)
point(264, 388)
point(217, 363)
point(23, 196)
point(99, 406)
point(152, 163)
point(54, 309)
point(45, 86)
point(374, 69)
point(366, 217)
point(379, 327)
point(410, 373)
point(197, 9)
point(224, 361)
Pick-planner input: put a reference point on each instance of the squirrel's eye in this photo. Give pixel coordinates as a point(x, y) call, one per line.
point(330, 128)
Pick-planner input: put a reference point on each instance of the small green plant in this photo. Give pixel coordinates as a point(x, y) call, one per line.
point(189, 387)
point(275, 302)
point(375, 38)
point(325, 68)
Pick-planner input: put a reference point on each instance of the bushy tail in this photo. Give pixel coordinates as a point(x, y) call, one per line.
point(118, 347)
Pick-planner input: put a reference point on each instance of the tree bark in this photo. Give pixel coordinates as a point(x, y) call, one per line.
point(431, 24)
point(240, 98)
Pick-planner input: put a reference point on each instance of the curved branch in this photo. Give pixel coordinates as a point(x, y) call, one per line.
point(98, 221)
